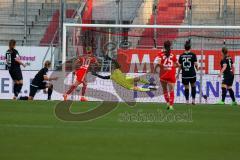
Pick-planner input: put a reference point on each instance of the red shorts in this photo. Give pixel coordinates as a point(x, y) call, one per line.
point(81, 74)
point(168, 78)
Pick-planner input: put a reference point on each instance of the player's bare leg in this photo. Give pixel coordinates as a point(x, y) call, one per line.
point(84, 88)
point(193, 86)
point(30, 98)
point(172, 95)
point(136, 79)
point(71, 89)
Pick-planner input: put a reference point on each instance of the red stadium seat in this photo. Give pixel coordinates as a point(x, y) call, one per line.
point(53, 27)
point(170, 12)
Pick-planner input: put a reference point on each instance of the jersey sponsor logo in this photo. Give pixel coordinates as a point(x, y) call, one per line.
point(8, 59)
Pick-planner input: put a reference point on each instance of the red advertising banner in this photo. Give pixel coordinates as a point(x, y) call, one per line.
point(142, 60)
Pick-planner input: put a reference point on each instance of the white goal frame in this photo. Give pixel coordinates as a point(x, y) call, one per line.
point(66, 25)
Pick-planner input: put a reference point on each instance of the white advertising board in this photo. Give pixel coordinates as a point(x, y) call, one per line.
point(32, 56)
point(106, 90)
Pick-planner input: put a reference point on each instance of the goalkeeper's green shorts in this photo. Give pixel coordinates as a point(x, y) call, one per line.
point(130, 81)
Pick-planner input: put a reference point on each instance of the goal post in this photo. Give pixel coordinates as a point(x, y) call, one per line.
point(140, 45)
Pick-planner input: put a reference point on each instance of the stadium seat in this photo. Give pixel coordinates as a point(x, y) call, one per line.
point(170, 12)
point(53, 27)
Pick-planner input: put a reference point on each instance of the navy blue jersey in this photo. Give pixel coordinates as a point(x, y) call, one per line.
point(11, 56)
point(39, 78)
point(229, 62)
point(187, 61)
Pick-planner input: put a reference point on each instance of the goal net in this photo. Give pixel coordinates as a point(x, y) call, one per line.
point(136, 47)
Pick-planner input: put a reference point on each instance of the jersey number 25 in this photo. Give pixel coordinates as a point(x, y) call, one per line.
point(187, 63)
point(168, 63)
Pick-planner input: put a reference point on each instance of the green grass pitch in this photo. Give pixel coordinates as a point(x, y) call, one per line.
point(31, 131)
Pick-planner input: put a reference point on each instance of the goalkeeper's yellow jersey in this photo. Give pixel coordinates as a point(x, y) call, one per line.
point(120, 78)
point(126, 81)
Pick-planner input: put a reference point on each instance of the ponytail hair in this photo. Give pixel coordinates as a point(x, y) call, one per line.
point(167, 47)
point(225, 51)
point(187, 45)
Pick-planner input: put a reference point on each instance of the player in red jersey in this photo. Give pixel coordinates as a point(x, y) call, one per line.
point(85, 62)
point(167, 62)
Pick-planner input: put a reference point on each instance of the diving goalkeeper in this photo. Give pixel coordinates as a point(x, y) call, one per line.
point(125, 81)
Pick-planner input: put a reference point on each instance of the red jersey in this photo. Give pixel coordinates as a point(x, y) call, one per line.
point(85, 62)
point(167, 67)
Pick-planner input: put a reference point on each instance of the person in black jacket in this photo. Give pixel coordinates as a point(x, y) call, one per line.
point(14, 66)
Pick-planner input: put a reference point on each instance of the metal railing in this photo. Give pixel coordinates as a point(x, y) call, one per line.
point(75, 17)
point(51, 49)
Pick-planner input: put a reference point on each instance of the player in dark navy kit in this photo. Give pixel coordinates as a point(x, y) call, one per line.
point(189, 66)
point(41, 82)
point(228, 77)
point(14, 66)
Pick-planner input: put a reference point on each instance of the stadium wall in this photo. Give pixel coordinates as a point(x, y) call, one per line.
point(106, 90)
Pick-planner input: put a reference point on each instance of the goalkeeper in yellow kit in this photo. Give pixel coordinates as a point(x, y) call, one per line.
point(125, 81)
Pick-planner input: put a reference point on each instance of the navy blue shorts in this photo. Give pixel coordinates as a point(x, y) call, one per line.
point(16, 74)
point(34, 88)
point(228, 80)
point(189, 80)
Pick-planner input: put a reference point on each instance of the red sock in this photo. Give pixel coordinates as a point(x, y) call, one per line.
point(171, 98)
point(166, 96)
point(71, 89)
point(84, 88)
